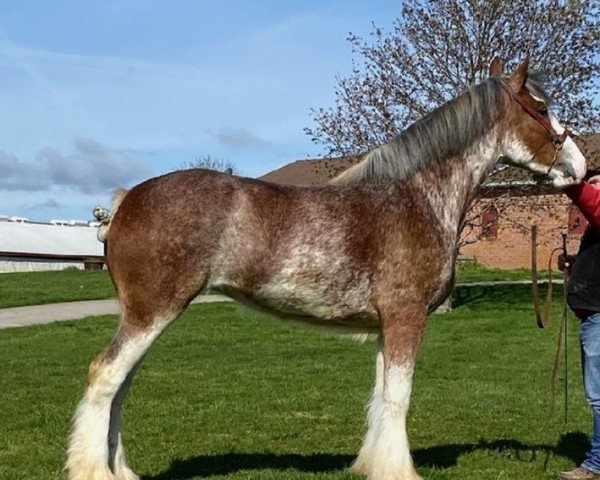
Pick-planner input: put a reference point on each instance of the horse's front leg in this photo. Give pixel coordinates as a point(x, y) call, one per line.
point(385, 453)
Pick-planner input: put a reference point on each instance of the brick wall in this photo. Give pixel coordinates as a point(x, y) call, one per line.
point(511, 245)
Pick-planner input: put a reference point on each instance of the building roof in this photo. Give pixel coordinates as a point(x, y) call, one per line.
point(310, 172)
point(319, 171)
point(43, 239)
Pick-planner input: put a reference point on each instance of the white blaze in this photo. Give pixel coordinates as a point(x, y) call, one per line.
point(569, 154)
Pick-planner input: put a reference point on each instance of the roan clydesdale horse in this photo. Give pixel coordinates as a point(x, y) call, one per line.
point(373, 252)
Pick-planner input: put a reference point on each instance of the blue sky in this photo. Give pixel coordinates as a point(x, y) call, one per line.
point(100, 94)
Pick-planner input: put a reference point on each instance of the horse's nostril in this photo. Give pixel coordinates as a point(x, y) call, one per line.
point(570, 171)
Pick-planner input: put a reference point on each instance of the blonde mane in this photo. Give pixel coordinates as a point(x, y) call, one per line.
point(445, 132)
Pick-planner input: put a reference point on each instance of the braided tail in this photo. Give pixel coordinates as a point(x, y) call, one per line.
point(104, 217)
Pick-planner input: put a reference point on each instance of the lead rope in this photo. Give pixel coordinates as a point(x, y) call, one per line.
point(562, 344)
point(543, 321)
point(566, 322)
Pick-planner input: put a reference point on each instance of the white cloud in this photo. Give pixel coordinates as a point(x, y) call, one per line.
point(240, 138)
point(18, 175)
point(50, 203)
point(92, 167)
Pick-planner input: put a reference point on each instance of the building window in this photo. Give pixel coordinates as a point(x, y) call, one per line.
point(577, 222)
point(489, 223)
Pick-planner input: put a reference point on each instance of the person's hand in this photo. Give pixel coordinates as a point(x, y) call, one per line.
point(566, 263)
point(594, 181)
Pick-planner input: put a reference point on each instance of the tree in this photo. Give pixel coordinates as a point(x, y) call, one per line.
point(212, 163)
point(438, 47)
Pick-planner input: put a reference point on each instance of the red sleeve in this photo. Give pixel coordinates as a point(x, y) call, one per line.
point(587, 199)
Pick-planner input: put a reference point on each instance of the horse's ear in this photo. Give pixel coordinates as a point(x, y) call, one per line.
point(517, 80)
point(496, 67)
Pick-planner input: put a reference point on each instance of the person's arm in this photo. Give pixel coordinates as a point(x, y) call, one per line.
point(587, 198)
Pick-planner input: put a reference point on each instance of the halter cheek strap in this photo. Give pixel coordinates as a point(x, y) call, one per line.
point(557, 140)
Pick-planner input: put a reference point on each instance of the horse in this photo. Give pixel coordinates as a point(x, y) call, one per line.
point(372, 252)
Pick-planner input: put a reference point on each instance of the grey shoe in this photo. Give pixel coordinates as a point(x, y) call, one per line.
point(580, 473)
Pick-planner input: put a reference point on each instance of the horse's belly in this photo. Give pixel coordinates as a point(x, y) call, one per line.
point(349, 309)
point(311, 282)
point(343, 313)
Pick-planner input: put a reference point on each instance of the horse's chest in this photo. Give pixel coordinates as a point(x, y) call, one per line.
point(443, 283)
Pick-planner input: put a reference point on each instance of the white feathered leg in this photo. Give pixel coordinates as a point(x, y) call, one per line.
point(390, 457)
point(365, 459)
point(385, 454)
point(116, 453)
point(93, 453)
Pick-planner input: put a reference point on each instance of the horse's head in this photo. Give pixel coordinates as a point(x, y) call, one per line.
point(533, 138)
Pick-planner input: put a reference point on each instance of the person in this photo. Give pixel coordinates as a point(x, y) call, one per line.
point(584, 299)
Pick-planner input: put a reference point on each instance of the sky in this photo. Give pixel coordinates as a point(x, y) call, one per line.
point(97, 95)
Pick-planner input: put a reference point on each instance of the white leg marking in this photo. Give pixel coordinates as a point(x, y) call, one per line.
point(390, 456)
point(88, 456)
point(365, 458)
point(116, 453)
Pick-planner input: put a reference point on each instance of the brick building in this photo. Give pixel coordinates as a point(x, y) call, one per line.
point(498, 232)
point(502, 237)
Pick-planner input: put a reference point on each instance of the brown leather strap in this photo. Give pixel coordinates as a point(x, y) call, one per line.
point(549, 291)
point(534, 279)
point(542, 320)
point(557, 139)
point(561, 347)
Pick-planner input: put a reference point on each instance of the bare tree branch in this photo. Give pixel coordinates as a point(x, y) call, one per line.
point(437, 48)
point(212, 163)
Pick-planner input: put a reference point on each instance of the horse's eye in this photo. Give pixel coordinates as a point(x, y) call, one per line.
point(544, 110)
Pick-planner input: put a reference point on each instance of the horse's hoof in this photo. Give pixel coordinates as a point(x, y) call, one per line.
point(359, 466)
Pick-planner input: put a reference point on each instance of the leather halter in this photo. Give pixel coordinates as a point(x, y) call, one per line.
point(557, 140)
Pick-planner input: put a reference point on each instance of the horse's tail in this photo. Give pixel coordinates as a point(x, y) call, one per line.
point(104, 217)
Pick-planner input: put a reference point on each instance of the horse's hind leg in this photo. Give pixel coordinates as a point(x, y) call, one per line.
point(95, 452)
point(116, 454)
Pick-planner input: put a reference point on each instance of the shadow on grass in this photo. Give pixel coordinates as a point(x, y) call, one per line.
point(571, 445)
point(497, 294)
point(208, 465)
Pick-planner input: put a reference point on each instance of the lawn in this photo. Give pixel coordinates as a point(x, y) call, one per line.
point(227, 393)
point(37, 288)
point(470, 271)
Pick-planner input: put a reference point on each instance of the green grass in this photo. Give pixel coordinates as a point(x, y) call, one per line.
point(230, 394)
point(469, 272)
point(36, 288)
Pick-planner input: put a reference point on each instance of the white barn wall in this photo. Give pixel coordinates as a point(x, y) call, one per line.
point(10, 265)
point(26, 247)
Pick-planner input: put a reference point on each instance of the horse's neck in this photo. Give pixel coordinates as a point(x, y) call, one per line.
point(451, 185)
